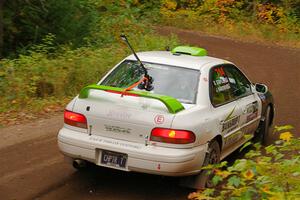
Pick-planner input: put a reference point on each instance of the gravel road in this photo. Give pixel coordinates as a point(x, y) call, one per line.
point(31, 166)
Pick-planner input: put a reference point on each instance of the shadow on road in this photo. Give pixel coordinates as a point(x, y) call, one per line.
point(103, 183)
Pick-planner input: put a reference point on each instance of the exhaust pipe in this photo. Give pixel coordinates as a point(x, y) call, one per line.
point(79, 164)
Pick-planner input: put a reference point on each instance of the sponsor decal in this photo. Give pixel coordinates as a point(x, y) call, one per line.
point(252, 117)
point(252, 107)
point(230, 124)
point(221, 81)
point(220, 71)
point(230, 114)
point(118, 115)
point(116, 129)
point(159, 119)
point(252, 111)
point(113, 142)
point(223, 88)
point(233, 137)
point(250, 128)
point(262, 97)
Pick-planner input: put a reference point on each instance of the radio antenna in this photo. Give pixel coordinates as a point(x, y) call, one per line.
point(147, 84)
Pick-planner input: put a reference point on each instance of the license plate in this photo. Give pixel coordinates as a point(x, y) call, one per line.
point(113, 159)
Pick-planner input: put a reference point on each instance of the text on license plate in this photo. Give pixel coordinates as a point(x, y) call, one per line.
point(113, 159)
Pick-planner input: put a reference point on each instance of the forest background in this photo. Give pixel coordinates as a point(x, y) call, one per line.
point(50, 49)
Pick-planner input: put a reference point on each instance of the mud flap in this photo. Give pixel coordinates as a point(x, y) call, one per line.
point(196, 181)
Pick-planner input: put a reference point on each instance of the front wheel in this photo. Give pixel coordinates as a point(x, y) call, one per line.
point(264, 134)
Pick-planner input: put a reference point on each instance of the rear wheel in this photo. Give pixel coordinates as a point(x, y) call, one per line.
point(203, 179)
point(212, 157)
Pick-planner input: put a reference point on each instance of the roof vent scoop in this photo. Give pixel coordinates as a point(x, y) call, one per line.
point(193, 51)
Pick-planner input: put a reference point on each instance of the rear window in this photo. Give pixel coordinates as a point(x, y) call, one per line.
point(180, 83)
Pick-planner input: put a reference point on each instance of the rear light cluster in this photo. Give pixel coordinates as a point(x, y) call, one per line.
point(172, 136)
point(164, 135)
point(75, 119)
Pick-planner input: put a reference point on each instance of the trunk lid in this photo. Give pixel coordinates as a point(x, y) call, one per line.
point(127, 118)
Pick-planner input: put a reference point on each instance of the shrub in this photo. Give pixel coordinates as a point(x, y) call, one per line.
point(277, 21)
point(53, 69)
point(42, 74)
point(271, 172)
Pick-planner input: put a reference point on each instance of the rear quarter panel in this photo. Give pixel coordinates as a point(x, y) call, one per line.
point(199, 119)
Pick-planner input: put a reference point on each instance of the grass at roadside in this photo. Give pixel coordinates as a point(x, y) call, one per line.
point(243, 30)
point(43, 83)
point(47, 75)
point(262, 22)
point(37, 109)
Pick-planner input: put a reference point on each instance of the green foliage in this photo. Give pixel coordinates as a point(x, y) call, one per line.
point(64, 45)
point(42, 74)
point(253, 19)
point(28, 22)
point(271, 172)
point(74, 23)
point(78, 23)
point(49, 45)
point(234, 181)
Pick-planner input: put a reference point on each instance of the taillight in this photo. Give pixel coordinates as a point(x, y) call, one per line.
point(75, 119)
point(172, 136)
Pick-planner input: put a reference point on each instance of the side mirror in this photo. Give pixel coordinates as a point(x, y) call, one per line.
point(261, 88)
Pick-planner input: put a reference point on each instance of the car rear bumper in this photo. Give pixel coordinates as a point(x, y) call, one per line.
point(141, 158)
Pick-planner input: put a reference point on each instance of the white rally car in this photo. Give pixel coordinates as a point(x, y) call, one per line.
point(195, 111)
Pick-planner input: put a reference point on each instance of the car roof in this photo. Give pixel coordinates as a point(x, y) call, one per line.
point(180, 60)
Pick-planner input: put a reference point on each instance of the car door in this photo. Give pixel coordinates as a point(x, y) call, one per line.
point(246, 99)
point(226, 109)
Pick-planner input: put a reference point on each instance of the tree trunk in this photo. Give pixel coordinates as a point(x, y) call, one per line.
point(1, 28)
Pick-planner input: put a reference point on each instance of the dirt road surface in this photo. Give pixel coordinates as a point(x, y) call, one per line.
point(31, 166)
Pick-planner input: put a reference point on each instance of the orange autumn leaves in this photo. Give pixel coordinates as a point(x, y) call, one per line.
point(248, 175)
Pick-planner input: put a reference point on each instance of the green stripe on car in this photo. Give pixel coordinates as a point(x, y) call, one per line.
point(173, 105)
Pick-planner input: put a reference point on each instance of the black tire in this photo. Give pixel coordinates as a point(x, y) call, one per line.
point(213, 153)
point(212, 157)
point(264, 133)
point(203, 179)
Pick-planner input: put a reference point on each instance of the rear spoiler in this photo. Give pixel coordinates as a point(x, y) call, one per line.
point(173, 105)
